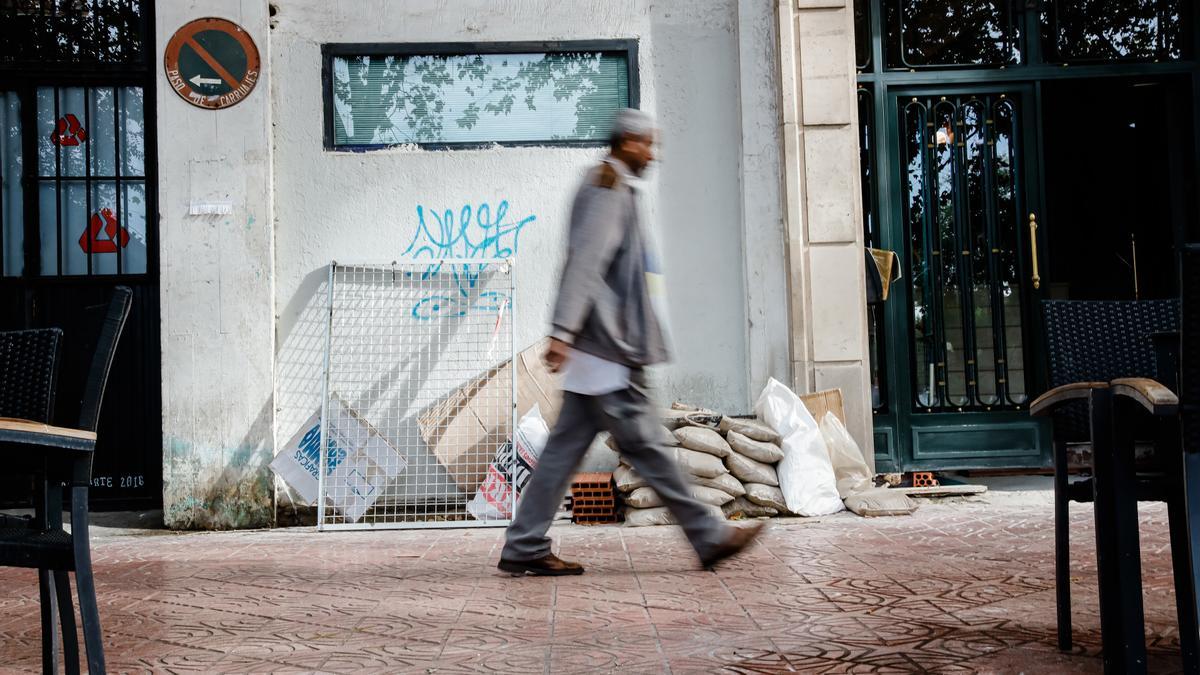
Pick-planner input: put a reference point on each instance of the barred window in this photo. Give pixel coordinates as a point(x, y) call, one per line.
point(67, 32)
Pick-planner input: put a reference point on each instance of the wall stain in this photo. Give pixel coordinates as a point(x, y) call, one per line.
point(239, 495)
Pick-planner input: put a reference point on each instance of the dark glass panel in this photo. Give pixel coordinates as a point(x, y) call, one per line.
point(928, 33)
point(862, 34)
point(924, 276)
point(976, 254)
point(71, 31)
point(12, 198)
point(1009, 222)
point(1114, 30)
point(871, 235)
point(952, 368)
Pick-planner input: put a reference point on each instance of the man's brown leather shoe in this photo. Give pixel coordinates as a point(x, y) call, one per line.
point(548, 566)
point(739, 539)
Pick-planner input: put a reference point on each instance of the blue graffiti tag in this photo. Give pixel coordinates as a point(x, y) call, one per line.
point(477, 232)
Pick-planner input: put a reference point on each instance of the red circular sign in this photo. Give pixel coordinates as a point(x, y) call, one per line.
point(212, 63)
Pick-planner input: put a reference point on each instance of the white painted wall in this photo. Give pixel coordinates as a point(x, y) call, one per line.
point(242, 294)
point(362, 206)
point(217, 295)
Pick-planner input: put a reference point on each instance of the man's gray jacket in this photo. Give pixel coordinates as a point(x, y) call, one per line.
point(604, 305)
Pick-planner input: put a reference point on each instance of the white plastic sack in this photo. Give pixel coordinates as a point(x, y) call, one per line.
point(627, 479)
point(725, 482)
point(749, 471)
point(647, 498)
point(851, 470)
point(881, 502)
point(805, 472)
point(660, 515)
point(702, 440)
point(765, 495)
point(493, 500)
point(759, 451)
point(750, 429)
point(696, 463)
point(744, 508)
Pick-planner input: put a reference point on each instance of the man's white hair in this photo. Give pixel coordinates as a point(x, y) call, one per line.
point(633, 122)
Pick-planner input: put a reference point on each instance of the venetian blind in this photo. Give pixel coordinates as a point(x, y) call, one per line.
point(477, 98)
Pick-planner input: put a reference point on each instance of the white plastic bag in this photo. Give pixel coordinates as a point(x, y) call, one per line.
point(851, 470)
point(805, 472)
point(493, 499)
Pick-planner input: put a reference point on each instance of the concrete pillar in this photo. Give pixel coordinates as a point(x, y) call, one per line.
point(823, 206)
point(218, 325)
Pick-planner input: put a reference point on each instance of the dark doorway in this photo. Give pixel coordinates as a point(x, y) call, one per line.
point(1116, 185)
point(79, 216)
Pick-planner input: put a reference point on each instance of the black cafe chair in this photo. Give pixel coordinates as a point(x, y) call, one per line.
point(1089, 344)
point(1176, 409)
point(58, 457)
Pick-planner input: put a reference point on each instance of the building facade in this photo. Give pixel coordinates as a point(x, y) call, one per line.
point(794, 133)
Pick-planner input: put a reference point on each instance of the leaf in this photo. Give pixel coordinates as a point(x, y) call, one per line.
point(469, 118)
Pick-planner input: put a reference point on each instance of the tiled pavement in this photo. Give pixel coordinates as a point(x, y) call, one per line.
point(957, 588)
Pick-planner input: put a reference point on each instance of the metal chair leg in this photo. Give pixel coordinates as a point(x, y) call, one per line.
point(89, 611)
point(66, 616)
point(1185, 552)
point(1118, 551)
point(49, 607)
point(1062, 547)
point(1128, 542)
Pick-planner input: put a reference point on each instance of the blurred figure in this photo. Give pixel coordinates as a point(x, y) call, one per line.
point(605, 332)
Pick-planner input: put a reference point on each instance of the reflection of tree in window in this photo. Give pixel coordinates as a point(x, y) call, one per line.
point(1114, 29)
point(972, 32)
point(431, 99)
point(71, 31)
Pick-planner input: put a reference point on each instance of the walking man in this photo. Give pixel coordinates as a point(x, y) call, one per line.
point(605, 332)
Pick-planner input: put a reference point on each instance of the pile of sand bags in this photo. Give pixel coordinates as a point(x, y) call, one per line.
point(735, 465)
point(729, 462)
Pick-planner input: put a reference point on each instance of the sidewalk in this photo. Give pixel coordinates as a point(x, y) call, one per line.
point(958, 587)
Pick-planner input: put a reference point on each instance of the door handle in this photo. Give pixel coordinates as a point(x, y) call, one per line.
point(1037, 279)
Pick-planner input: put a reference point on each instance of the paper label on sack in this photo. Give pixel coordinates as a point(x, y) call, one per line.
point(494, 498)
point(359, 462)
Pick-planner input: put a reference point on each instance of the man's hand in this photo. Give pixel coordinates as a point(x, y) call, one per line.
point(556, 354)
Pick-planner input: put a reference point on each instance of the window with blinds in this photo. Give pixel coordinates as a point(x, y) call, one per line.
point(447, 96)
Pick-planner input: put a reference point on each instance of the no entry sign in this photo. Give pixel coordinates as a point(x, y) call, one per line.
point(212, 63)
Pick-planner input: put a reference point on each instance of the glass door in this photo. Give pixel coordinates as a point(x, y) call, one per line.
point(966, 215)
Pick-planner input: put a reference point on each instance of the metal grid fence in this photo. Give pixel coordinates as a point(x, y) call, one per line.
point(419, 399)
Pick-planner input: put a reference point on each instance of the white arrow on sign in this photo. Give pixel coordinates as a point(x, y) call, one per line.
point(205, 80)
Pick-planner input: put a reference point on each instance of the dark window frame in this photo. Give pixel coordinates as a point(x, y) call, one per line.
point(349, 49)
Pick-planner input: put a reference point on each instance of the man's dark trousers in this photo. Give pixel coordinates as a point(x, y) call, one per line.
point(629, 415)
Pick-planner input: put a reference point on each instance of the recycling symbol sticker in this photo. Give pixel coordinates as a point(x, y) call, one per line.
point(68, 132)
point(114, 237)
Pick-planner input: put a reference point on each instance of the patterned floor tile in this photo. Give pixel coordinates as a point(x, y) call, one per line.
point(955, 588)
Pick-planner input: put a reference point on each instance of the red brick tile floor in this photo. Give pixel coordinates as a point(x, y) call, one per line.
point(956, 588)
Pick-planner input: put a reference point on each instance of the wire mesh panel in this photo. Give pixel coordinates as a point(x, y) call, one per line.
point(419, 396)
